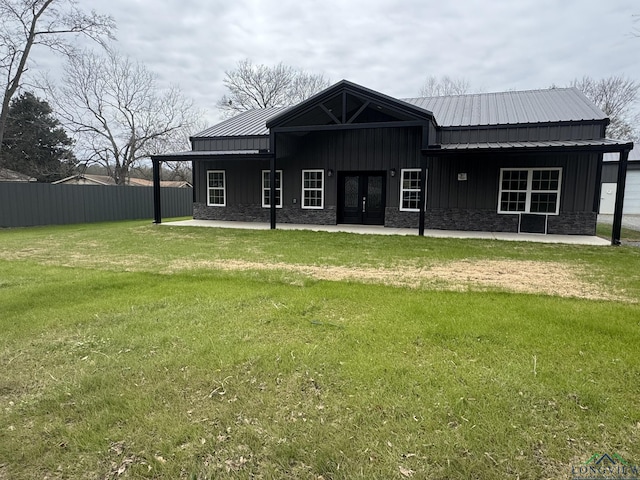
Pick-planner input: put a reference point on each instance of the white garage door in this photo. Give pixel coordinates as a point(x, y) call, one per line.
point(632, 193)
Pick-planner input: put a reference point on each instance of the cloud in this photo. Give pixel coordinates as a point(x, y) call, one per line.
point(387, 46)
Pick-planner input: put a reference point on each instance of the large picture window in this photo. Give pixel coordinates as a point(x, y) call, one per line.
point(313, 189)
point(266, 188)
point(216, 188)
point(410, 190)
point(530, 190)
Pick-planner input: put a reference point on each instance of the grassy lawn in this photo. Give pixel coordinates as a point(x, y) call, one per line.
point(627, 234)
point(135, 351)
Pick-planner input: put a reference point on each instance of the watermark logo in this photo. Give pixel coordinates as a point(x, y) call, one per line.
point(602, 466)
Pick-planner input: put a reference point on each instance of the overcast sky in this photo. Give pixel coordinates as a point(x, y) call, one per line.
point(388, 46)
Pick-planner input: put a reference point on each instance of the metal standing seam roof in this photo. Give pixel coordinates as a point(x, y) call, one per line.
point(509, 108)
point(502, 108)
point(249, 123)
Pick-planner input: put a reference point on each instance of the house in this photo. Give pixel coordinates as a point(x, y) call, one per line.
point(143, 182)
point(86, 179)
point(609, 186)
point(90, 179)
point(7, 175)
point(527, 161)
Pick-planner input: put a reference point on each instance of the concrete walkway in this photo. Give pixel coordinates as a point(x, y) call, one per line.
point(379, 230)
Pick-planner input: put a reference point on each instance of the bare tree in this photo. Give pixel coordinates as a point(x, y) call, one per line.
point(445, 85)
point(177, 141)
point(258, 86)
point(116, 110)
point(617, 97)
point(25, 24)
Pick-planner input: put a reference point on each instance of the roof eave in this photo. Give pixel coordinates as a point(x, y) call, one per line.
point(438, 150)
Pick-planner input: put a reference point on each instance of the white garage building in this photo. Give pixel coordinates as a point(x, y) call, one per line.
point(609, 185)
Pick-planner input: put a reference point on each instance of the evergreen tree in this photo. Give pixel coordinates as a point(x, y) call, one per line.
point(34, 143)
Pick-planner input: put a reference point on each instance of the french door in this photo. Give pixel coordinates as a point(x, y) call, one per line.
point(361, 197)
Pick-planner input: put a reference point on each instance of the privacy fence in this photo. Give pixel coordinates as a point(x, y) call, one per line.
point(27, 204)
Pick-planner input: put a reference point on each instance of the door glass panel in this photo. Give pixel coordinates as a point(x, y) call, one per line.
point(374, 192)
point(351, 192)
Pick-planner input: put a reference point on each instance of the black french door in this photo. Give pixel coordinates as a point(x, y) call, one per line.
point(361, 198)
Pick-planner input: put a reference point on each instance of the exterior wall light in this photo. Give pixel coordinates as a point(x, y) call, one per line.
point(393, 172)
point(329, 173)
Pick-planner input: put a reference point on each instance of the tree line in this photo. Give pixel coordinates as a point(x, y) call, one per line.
point(108, 110)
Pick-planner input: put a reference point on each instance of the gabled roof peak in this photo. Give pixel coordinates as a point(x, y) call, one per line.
point(340, 112)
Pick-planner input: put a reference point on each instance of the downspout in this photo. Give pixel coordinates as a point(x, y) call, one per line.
point(424, 161)
point(272, 179)
point(423, 191)
point(596, 197)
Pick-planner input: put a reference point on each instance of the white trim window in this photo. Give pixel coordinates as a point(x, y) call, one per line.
point(266, 188)
point(530, 190)
point(216, 188)
point(410, 190)
point(313, 189)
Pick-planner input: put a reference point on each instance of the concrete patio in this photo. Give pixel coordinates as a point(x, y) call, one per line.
point(380, 230)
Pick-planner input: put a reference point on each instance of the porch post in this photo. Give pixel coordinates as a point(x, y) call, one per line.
point(157, 214)
point(423, 191)
point(617, 214)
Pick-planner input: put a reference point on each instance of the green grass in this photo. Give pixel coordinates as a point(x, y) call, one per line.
point(125, 355)
point(626, 234)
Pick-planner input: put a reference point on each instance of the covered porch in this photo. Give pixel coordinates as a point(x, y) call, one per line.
point(381, 230)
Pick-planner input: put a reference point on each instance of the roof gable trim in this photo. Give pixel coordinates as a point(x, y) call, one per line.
point(346, 104)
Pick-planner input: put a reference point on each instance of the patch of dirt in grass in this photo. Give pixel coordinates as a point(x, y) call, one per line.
point(550, 278)
point(522, 276)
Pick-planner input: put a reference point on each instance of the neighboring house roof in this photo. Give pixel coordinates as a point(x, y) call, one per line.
point(502, 108)
point(143, 182)
point(87, 179)
point(7, 175)
point(90, 179)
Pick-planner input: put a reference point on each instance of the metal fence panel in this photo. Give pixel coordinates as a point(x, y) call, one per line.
point(28, 204)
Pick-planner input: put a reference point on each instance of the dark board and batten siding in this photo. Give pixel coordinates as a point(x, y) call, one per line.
point(521, 133)
point(480, 190)
point(375, 149)
point(24, 205)
point(243, 180)
point(230, 143)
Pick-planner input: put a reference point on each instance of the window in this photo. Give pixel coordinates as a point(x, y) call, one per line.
point(313, 189)
point(266, 188)
point(410, 190)
point(531, 190)
point(216, 188)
